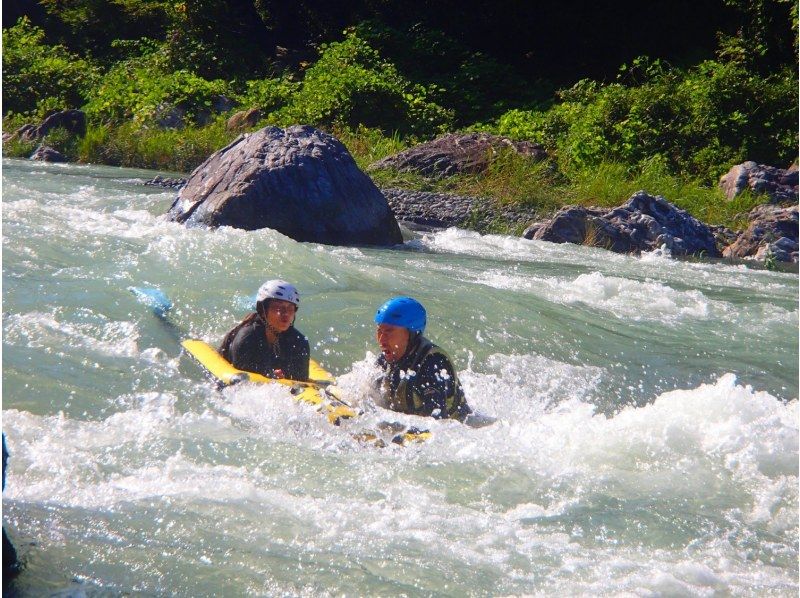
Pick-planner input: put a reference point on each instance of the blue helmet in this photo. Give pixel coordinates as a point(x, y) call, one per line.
point(402, 311)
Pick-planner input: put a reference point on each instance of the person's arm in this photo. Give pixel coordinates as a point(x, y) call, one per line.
point(435, 384)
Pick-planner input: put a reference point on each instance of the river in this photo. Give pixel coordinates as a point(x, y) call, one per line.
point(646, 442)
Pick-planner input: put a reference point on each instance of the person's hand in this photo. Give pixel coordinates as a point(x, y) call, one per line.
point(279, 373)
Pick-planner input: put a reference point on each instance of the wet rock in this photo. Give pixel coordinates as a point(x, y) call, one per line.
point(44, 153)
point(772, 230)
point(643, 223)
point(165, 182)
point(299, 181)
point(779, 184)
point(244, 119)
point(455, 154)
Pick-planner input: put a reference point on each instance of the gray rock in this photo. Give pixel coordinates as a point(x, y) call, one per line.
point(73, 121)
point(167, 183)
point(643, 223)
point(454, 154)
point(779, 184)
point(244, 119)
point(219, 105)
point(772, 230)
point(168, 116)
point(431, 211)
point(299, 181)
point(48, 154)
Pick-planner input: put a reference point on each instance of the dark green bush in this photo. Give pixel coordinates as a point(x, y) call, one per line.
point(699, 121)
point(352, 85)
point(473, 84)
point(37, 76)
point(268, 94)
point(138, 88)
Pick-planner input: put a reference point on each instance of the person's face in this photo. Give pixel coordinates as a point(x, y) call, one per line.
point(280, 314)
point(393, 341)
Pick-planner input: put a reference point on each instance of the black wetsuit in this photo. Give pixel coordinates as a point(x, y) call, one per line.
point(423, 382)
point(247, 348)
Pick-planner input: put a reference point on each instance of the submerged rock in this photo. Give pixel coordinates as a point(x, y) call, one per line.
point(643, 223)
point(454, 154)
point(772, 231)
point(779, 184)
point(299, 181)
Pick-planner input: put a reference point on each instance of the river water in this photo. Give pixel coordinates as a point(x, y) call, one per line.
point(646, 442)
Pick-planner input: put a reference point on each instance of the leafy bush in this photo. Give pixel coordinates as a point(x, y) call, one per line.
point(38, 75)
point(473, 84)
point(268, 94)
point(351, 85)
point(699, 122)
point(138, 88)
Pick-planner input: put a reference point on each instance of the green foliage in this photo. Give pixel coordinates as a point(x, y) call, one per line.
point(268, 94)
point(16, 148)
point(138, 88)
point(41, 76)
point(351, 85)
point(369, 145)
point(62, 141)
point(134, 146)
point(473, 84)
point(698, 122)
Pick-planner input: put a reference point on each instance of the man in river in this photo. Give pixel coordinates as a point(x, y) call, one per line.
point(266, 342)
point(418, 377)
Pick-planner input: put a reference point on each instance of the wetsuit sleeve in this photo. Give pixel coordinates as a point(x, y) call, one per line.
point(435, 383)
point(298, 357)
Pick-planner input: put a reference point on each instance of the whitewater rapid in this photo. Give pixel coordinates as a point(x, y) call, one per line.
point(646, 442)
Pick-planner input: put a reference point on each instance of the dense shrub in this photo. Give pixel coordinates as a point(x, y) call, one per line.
point(268, 94)
point(699, 121)
point(473, 84)
point(351, 85)
point(37, 76)
point(138, 88)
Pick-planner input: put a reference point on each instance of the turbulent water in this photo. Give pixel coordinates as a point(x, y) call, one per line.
point(646, 442)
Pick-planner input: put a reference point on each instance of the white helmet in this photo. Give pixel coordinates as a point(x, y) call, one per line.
point(278, 289)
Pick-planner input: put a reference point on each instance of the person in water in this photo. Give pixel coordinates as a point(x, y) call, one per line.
point(266, 342)
point(418, 377)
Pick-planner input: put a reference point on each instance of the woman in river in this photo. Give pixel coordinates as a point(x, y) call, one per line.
point(266, 342)
point(418, 377)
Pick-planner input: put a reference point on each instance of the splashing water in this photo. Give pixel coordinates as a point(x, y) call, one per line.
point(646, 442)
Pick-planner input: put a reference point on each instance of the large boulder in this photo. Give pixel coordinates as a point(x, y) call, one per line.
point(779, 184)
point(299, 181)
point(772, 230)
point(643, 223)
point(455, 154)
